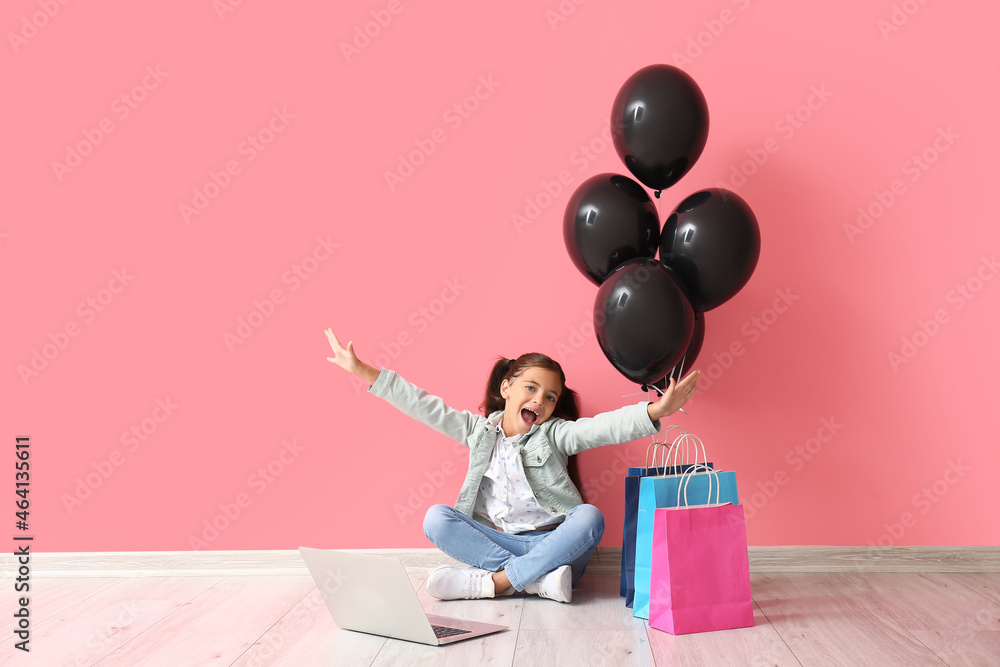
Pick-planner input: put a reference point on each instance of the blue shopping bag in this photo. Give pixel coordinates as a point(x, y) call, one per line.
point(631, 505)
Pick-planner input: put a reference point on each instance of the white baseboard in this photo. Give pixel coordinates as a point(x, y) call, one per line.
point(419, 561)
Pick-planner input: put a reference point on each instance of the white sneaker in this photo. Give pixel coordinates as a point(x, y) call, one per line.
point(555, 585)
point(448, 582)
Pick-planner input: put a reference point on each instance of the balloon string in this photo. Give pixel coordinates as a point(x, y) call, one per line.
point(645, 391)
point(680, 374)
point(680, 367)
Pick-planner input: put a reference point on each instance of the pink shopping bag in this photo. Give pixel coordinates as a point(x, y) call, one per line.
point(700, 570)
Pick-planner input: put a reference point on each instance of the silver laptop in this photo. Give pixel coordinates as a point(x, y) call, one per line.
point(372, 594)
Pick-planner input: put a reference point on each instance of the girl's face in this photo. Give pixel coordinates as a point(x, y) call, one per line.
point(531, 399)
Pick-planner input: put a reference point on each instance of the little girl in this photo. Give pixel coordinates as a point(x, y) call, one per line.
point(519, 520)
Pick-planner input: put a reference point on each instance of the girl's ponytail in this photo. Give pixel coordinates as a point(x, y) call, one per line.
point(492, 400)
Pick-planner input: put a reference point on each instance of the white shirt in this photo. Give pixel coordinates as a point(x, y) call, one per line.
point(504, 494)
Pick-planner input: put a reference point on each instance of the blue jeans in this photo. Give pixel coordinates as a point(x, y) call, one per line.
point(523, 556)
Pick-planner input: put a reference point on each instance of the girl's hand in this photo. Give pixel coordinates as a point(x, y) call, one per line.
point(346, 359)
point(674, 398)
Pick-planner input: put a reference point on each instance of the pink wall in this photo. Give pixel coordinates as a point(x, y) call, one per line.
point(835, 440)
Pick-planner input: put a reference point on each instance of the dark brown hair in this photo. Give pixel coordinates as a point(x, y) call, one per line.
point(567, 407)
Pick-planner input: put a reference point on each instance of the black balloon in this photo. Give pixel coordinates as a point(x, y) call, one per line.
point(659, 124)
point(608, 220)
point(686, 364)
point(643, 321)
point(712, 242)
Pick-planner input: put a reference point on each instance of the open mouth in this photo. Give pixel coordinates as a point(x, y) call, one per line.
point(529, 416)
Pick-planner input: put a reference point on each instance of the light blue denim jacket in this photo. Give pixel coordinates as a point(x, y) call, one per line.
point(544, 449)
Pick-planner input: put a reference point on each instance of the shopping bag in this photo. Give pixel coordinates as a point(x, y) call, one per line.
point(627, 587)
point(700, 577)
point(662, 491)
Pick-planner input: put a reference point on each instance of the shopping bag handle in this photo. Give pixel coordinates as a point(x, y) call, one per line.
point(657, 444)
point(687, 439)
point(694, 470)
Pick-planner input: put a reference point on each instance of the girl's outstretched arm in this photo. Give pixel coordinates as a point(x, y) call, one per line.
point(407, 398)
point(674, 398)
point(346, 359)
point(621, 425)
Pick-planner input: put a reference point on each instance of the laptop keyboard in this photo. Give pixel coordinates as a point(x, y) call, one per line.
point(442, 631)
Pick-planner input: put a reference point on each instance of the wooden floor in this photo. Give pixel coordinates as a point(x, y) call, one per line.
point(800, 619)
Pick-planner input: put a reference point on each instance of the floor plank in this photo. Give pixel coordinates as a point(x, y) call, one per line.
point(97, 625)
point(605, 648)
point(50, 596)
point(963, 648)
point(596, 605)
point(964, 623)
point(216, 627)
point(759, 645)
point(986, 584)
point(47, 598)
point(307, 635)
point(835, 619)
point(922, 601)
